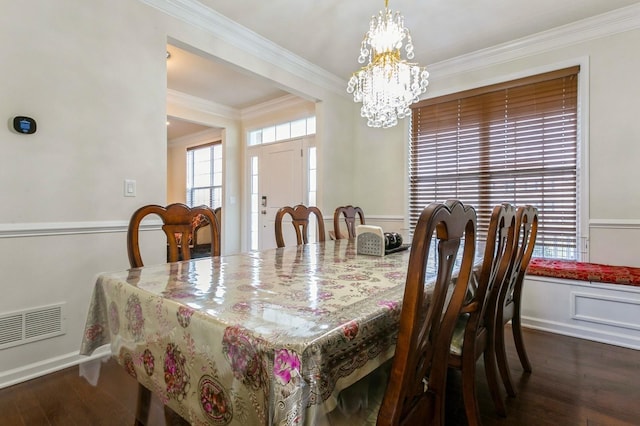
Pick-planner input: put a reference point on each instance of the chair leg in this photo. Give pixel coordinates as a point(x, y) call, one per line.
point(142, 406)
point(438, 418)
point(503, 363)
point(469, 396)
point(491, 372)
point(519, 341)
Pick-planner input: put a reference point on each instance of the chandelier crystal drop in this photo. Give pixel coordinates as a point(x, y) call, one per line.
point(387, 85)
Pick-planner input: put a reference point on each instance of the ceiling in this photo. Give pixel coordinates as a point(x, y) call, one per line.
point(328, 34)
point(177, 128)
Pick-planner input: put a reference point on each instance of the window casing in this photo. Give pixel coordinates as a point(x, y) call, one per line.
point(204, 175)
point(512, 142)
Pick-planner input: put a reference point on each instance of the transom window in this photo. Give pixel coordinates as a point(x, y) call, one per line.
point(511, 142)
point(283, 131)
point(204, 175)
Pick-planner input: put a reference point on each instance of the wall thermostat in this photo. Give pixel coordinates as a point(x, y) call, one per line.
point(26, 125)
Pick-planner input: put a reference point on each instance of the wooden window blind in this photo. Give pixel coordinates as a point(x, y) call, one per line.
point(511, 142)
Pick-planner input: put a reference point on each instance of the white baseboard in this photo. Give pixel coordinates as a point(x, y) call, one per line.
point(586, 333)
point(51, 365)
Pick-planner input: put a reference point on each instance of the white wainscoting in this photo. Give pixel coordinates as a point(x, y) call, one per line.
point(606, 313)
point(95, 246)
point(614, 241)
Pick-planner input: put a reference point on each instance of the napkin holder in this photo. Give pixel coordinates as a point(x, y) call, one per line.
point(370, 240)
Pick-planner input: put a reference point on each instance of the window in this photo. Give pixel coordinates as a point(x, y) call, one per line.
point(283, 131)
point(511, 142)
point(204, 175)
point(312, 191)
point(255, 207)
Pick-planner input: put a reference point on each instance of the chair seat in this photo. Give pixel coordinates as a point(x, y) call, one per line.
point(458, 335)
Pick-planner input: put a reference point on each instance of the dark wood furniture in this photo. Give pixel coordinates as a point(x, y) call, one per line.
point(474, 333)
point(349, 214)
point(509, 299)
point(416, 390)
point(218, 212)
point(202, 246)
point(411, 388)
point(300, 220)
point(178, 226)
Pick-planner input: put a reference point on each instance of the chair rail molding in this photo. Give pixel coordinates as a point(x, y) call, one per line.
point(20, 230)
point(615, 223)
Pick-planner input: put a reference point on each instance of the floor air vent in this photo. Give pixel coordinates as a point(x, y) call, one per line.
point(18, 328)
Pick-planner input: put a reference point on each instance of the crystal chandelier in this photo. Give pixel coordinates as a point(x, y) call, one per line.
point(387, 85)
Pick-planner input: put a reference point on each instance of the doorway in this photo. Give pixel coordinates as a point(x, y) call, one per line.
point(281, 174)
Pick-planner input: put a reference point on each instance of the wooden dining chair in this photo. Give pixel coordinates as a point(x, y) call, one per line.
point(510, 295)
point(474, 333)
point(178, 226)
point(416, 382)
point(300, 220)
point(349, 214)
point(202, 234)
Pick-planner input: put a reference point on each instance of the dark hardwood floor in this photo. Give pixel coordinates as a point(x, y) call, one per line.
point(574, 382)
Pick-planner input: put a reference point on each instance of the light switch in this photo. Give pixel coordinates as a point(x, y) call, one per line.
point(129, 188)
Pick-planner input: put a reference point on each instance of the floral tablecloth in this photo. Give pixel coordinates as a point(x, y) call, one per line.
point(265, 337)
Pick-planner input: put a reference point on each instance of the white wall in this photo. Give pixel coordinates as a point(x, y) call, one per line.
point(92, 75)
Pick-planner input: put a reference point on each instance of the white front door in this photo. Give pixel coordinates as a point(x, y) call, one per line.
point(281, 183)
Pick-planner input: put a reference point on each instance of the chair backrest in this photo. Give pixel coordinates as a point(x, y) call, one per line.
point(218, 212)
point(198, 223)
point(177, 225)
point(300, 220)
point(417, 385)
point(495, 266)
point(526, 232)
point(349, 213)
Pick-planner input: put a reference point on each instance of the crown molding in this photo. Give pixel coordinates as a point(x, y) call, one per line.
point(286, 101)
point(195, 13)
point(607, 24)
point(204, 136)
point(200, 16)
point(202, 105)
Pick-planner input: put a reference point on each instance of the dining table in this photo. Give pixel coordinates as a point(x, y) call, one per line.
point(265, 337)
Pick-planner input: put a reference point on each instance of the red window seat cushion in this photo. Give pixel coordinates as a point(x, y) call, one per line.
point(584, 271)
